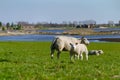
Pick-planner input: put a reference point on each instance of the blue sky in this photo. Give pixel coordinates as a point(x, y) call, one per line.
point(34, 11)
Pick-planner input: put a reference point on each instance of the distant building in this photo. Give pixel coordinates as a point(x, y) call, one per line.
point(111, 23)
point(86, 24)
point(27, 27)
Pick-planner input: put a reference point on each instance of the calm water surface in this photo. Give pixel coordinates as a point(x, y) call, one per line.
point(50, 37)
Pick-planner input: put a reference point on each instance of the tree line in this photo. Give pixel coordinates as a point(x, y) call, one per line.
point(10, 26)
point(21, 24)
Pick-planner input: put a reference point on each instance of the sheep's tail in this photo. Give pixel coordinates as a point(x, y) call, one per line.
point(53, 47)
point(53, 43)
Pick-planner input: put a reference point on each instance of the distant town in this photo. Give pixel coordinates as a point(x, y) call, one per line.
point(22, 25)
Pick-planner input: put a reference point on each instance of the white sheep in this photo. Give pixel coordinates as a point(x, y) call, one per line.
point(95, 52)
point(78, 49)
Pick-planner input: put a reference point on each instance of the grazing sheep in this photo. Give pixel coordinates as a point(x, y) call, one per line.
point(62, 43)
point(78, 49)
point(95, 52)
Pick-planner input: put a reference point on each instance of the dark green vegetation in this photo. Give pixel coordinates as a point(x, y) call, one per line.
point(31, 61)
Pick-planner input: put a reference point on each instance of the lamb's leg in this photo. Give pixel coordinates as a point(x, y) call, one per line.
point(81, 56)
point(86, 55)
point(78, 56)
point(75, 56)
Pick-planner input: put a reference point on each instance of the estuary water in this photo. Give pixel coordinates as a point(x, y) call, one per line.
point(50, 37)
point(34, 37)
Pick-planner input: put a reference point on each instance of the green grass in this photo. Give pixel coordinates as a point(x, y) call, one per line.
point(31, 61)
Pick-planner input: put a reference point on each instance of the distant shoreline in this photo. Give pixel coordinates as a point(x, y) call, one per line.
point(75, 31)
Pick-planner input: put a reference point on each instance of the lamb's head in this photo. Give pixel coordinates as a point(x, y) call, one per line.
point(100, 51)
point(73, 46)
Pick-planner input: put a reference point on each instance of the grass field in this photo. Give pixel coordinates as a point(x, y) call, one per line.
point(31, 61)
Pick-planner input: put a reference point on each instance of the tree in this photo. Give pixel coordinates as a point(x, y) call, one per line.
point(12, 25)
point(18, 26)
point(3, 28)
point(0, 24)
point(8, 25)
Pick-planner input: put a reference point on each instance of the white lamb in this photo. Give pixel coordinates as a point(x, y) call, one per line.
point(78, 49)
point(95, 52)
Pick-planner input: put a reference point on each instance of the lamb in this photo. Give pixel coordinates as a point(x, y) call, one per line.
point(95, 52)
point(78, 49)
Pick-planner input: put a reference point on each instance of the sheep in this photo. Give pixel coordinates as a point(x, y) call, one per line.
point(100, 51)
point(61, 43)
point(78, 49)
point(95, 52)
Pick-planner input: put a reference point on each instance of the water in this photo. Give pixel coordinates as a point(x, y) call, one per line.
point(106, 29)
point(27, 38)
point(50, 37)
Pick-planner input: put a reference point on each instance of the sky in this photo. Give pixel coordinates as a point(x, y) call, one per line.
point(34, 11)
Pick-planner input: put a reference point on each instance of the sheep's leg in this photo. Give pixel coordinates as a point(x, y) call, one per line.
point(74, 56)
point(58, 54)
point(71, 56)
point(60, 48)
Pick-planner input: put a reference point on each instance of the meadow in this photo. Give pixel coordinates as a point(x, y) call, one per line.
point(31, 61)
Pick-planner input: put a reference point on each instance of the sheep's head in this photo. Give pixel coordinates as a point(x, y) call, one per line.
point(84, 41)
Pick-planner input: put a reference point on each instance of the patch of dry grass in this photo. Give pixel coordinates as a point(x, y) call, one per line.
point(84, 31)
